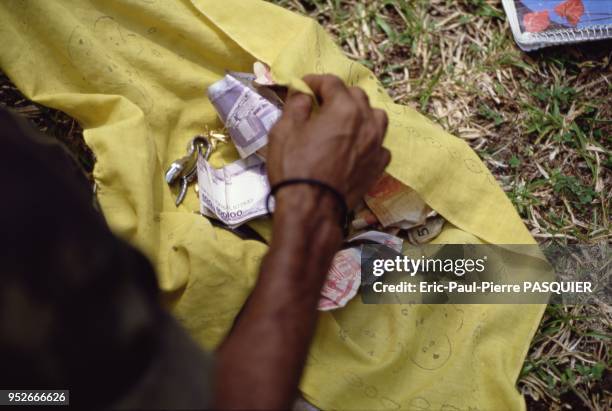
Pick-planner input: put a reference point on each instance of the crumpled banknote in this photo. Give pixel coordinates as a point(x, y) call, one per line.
point(396, 209)
point(425, 233)
point(344, 276)
point(235, 193)
point(395, 204)
point(246, 112)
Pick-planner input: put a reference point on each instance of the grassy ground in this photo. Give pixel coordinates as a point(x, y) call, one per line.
point(542, 122)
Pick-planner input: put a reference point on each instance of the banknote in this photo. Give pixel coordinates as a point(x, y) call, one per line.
point(392, 230)
point(364, 218)
point(247, 115)
point(235, 193)
point(344, 276)
point(325, 304)
point(391, 241)
point(395, 204)
point(426, 232)
point(245, 78)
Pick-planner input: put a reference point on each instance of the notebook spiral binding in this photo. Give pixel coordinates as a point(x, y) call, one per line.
point(595, 32)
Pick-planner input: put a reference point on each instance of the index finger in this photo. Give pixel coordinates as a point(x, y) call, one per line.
point(325, 86)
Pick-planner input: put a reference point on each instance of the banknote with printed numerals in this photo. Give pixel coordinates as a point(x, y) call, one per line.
point(235, 193)
point(247, 115)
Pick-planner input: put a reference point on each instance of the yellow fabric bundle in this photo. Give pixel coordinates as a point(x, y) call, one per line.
point(135, 72)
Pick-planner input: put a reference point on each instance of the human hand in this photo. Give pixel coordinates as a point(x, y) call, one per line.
point(340, 144)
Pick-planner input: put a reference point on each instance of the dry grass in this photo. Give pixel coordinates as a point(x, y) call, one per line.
point(542, 122)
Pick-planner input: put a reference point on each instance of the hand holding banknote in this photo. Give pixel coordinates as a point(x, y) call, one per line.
point(339, 144)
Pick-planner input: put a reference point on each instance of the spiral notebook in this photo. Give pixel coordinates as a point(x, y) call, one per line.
point(540, 23)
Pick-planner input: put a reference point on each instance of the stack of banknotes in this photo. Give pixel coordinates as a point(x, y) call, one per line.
point(390, 210)
point(236, 193)
point(249, 106)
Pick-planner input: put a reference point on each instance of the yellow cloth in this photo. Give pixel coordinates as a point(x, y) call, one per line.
point(135, 72)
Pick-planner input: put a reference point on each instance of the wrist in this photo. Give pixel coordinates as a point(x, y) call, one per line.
point(306, 235)
point(306, 213)
point(303, 204)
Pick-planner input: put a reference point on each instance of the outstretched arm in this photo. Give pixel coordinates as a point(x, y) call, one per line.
point(260, 363)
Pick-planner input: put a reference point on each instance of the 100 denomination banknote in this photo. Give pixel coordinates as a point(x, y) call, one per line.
point(247, 115)
point(235, 193)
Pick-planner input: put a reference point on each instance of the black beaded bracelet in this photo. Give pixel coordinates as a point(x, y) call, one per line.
point(292, 181)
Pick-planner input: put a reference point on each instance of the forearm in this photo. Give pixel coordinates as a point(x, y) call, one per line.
point(260, 363)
